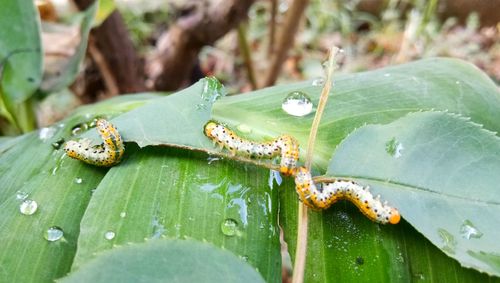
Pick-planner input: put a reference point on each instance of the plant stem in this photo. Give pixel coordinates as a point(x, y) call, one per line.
point(301, 246)
point(272, 28)
point(245, 52)
point(287, 35)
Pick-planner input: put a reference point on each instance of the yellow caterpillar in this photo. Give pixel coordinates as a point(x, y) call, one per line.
point(106, 154)
point(285, 145)
point(309, 193)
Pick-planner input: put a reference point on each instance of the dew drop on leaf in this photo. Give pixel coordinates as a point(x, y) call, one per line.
point(28, 207)
point(53, 234)
point(110, 235)
point(468, 231)
point(229, 227)
point(297, 104)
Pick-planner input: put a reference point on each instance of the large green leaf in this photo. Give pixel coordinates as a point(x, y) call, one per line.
point(160, 192)
point(443, 177)
point(379, 96)
point(166, 261)
point(31, 168)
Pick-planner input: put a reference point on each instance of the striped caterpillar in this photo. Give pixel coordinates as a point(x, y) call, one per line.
point(310, 194)
point(329, 193)
point(285, 145)
point(105, 154)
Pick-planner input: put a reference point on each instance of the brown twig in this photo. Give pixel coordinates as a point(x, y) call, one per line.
point(286, 39)
point(247, 57)
point(272, 27)
point(109, 80)
point(202, 23)
point(301, 248)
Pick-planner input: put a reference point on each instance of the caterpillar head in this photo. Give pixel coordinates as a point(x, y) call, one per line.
point(209, 127)
point(394, 216)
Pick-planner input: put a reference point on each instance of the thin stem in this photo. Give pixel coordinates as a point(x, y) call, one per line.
point(272, 28)
point(286, 38)
point(245, 52)
point(300, 252)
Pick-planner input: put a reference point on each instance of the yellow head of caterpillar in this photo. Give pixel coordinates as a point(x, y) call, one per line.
point(209, 127)
point(395, 216)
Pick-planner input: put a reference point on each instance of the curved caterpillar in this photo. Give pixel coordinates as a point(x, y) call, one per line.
point(285, 145)
point(106, 154)
point(311, 195)
point(329, 193)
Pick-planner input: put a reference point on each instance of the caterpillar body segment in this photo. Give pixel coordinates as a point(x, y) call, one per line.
point(322, 197)
point(107, 154)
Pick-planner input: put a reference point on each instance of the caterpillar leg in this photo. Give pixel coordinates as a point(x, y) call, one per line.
point(106, 154)
point(329, 193)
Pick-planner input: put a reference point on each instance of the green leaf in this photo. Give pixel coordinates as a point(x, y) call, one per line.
point(159, 192)
point(31, 167)
point(176, 120)
point(378, 96)
point(166, 261)
point(20, 51)
point(66, 72)
point(443, 177)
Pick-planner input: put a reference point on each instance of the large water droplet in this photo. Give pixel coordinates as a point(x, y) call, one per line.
point(449, 241)
point(53, 234)
point(20, 195)
point(394, 148)
point(28, 207)
point(110, 235)
point(297, 103)
point(78, 129)
point(212, 90)
point(229, 227)
point(78, 180)
point(46, 133)
point(468, 230)
point(123, 214)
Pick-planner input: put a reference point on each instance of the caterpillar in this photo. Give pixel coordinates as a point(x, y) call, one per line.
point(329, 193)
point(321, 197)
point(285, 146)
point(105, 154)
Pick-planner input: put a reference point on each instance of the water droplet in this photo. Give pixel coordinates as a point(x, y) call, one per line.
point(274, 175)
point(20, 195)
point(457, 82)
point(78, 180)
point(78, 129)
point(448, 240)
point(46, 133)
point(244, 128)
point(212, 159)
point(394, 148)
point(53, 234)
point(212, 90)
point(57, 144)
point(318, 81)
point(28, 207)
point(297, 104)
point(244, 258)
point(468, 230)
point(387, 75)
point(110, 235)
point(419, 276)
point(229, 227)
point(123, 214)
